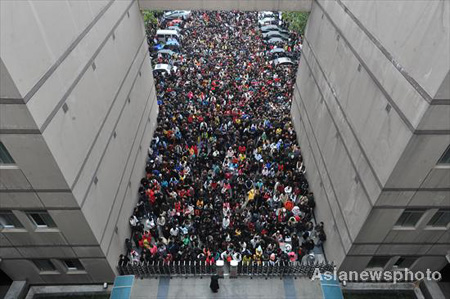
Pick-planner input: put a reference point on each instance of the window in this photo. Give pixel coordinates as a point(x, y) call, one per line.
point(73, 265)
point(44, 265)
point(8, 220)
point(445, 159)
point(440, 219)
point(410, 217)
point(5, 157)
point(41, 219)
point(378, 261)
point(405, 262)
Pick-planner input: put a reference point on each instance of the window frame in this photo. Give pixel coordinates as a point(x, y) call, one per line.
point(77, 263)
point(411, 211)
point(52, 223)
point(436, 217)
point(402, 259)
point(445, 158)
point(5, 153)
point(388, 259)
point(9, 213)
point(53, 267)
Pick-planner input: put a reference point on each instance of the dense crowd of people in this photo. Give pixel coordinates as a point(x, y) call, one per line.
point(225, 178)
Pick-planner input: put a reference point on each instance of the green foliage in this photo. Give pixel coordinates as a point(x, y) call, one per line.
point(150, 17)
point(296, 20)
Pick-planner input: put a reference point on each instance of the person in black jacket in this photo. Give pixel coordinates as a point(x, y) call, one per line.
point(123, 261)
point(214, 285)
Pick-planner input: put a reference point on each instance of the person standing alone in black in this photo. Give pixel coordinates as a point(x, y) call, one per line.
point(214, 285)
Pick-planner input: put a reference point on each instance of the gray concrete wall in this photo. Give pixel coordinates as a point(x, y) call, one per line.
point(372, 112)
point(248, 5)
point(77, 112)
point(17, 290)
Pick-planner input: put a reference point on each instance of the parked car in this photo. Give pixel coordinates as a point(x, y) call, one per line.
point(277, 50)
point(165, 68)
point(268, 21)
point(166, 35)
point(166, 53)
point(269, 28)
point(176, 28)
point(272, 34)
point(176, 22)
point(283, 61)
point(277, 53)
point(173, 45)
point(275, 40)
point(177, 14)
point(267, 14)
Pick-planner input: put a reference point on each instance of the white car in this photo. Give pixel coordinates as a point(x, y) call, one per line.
point(177, 14)
point(268, 21)
point(177, 29)
point(266, 14)
point(283, 61)
point(169, 69)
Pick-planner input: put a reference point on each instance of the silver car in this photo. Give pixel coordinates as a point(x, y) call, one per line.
point(268, 28)
point(177, 29)
point(275, 40)
point(177, 14)
point(272, 34)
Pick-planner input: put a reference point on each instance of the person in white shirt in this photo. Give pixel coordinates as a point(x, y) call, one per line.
point(225, 222)
point(133, 221)
point(174, 231)
point(149, 223)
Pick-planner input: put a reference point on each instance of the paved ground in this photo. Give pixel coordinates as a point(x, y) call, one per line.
point(196, 288)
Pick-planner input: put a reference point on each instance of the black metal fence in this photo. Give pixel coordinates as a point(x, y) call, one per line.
point(185, 268)
point(266, 269)
point(200, 269)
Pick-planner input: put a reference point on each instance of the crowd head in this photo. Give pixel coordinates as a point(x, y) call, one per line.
point(225, 178)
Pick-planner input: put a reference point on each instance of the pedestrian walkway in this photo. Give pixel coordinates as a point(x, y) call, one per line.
point(331, 288)
point(289, 288)
point(122, 287)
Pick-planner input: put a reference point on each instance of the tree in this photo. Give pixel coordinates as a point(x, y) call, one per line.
point(150, 18)
point(296, 20)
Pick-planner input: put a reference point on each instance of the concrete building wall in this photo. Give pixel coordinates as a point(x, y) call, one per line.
point(245, 5)
point(77, 112)
point(372, 112)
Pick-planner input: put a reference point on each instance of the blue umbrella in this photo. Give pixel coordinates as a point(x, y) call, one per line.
point(158, 46)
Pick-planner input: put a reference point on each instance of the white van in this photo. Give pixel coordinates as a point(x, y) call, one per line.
point(165, 35)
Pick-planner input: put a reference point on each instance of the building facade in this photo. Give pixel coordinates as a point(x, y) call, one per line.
point(77, 112)
point(372, 113)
